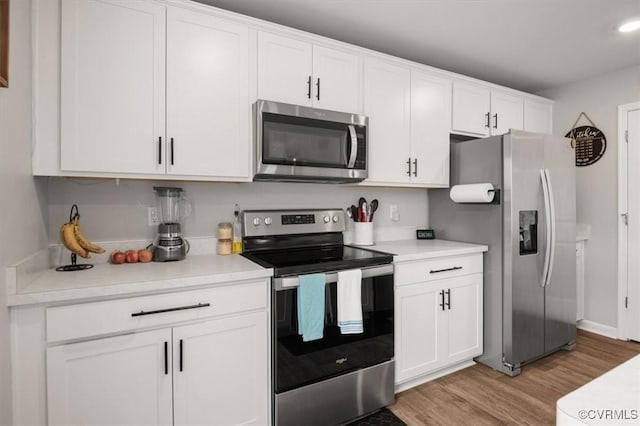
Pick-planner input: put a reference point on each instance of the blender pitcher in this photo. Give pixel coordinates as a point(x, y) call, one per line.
point(173, 208)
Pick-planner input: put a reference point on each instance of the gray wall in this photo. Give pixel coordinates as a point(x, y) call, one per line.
point(113, 211)
point(23, 210)
point(597, 189)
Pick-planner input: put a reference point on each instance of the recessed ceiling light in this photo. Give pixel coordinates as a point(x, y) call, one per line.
point(629, 26)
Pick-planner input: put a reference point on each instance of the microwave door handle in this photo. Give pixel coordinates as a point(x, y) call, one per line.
point(354, 146)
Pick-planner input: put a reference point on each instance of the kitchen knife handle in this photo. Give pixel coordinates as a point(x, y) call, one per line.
point(442, 299)
point(159, 149)
point(318, 89)
point(309, 87)
point(415, 167)
point(488, 118)
point(448, 298)
point(409, 164)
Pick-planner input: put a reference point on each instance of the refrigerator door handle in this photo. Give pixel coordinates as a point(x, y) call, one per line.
point(552, 209)
point(548, 225)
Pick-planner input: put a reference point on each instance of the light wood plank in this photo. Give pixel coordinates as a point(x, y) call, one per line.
point(479, 395)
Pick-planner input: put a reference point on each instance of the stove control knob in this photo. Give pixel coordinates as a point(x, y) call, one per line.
point(267, 221)
point(335, 218)
point(326, 219)
point(256, 221)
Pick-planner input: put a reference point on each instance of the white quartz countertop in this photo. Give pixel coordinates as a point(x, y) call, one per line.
point(105, 279)
point(611, 399)
point(405, 250)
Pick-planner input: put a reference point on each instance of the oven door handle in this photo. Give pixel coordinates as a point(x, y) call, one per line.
point(284, 283)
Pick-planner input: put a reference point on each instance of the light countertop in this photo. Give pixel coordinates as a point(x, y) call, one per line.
point(405, 250)
point(105, 280)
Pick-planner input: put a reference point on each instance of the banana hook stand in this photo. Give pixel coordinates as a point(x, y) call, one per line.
point(74, 266)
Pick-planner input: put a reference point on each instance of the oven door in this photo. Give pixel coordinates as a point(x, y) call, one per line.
point(299, 363)
point(300, 143)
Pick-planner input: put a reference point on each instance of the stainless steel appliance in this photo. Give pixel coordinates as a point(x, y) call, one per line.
point(529, 270)
point(172, 208)
point(301, 144)
point(339, 377)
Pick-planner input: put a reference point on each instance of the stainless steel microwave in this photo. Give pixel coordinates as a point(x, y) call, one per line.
point(302, 144)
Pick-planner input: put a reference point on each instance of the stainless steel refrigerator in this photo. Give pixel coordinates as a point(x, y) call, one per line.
point(530, 268)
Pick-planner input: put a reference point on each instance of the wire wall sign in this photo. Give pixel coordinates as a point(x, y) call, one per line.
point(588, 141)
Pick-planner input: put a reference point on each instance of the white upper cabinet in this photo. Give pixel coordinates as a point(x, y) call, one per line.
point(481, 111)
point(113, 103)
point(537, 116)
point(336, 80)
point(387, 103)
point(430, 118)
point(507, 112)
point(471, 109)
point(208, 108)
point(299, 73)
point(112, 86)
point(409, 114)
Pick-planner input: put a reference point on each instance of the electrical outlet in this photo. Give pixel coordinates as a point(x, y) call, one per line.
point(394, 214)
point(152, 216)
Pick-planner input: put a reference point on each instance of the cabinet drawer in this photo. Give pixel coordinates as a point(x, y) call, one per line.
point(437, 268)
point(115, 316)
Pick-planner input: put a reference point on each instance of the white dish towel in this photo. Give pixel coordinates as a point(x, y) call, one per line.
point(350, 301)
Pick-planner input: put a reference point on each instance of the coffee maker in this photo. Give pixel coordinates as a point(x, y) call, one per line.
point(172, 209)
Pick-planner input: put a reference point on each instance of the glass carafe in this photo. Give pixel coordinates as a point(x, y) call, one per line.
point(171, 204)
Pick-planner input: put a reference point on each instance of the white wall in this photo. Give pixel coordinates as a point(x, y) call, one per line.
point(23, 212)
point(112, 211)
point(596, 184)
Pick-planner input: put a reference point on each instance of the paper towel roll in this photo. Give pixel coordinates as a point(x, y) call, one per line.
point(473, 193)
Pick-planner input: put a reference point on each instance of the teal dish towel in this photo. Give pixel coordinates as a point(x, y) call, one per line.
point(311, 306)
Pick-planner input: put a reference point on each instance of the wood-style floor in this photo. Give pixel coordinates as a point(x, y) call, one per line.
point(479, 395)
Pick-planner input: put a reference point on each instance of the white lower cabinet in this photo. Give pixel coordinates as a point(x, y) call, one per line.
point(212, 371)
point(119, 380)
point(438, 320)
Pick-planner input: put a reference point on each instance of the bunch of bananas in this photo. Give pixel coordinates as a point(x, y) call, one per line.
point(73, 239)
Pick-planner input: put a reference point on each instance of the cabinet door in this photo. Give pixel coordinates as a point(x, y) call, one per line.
point(221, 370)
point(464, 318)
point(418, 316)
point(430, 118)
point(112, 86)
point(537, 116)
point(387, 103)
point(122, 380)
point(336, 80)
point(471, 109)
point(208, 108)
point(507, 112)
point(284, 69)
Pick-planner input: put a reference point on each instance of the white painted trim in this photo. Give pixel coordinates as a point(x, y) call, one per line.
point(601, 329)
point(401, 387)
point(622, 332)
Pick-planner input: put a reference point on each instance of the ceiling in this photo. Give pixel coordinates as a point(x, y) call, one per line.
point(529, 45)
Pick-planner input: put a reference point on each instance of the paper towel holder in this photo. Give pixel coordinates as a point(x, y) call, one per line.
point(496, 197)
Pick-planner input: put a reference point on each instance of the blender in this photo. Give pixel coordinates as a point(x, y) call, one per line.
point(172, 209)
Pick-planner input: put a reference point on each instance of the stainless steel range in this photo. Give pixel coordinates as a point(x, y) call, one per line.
point(338, 377)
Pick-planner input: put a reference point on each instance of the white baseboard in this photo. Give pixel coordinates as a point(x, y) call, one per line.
point(595, 327)
point(400, 387)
